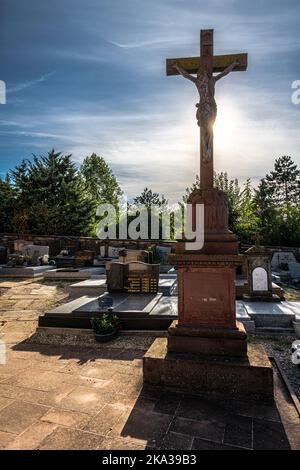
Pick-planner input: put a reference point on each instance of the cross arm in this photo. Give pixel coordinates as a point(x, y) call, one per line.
point(183, 72)
point(220, 63)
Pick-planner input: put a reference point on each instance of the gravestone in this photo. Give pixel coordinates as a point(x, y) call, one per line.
point(259, 274)
point(113, 252)
point(134, 277)
point(259, 280)
point(282, 258)
point(206, 349)
point(84, 258)
point(19, 245)
point(37, 254)
point(133, 255)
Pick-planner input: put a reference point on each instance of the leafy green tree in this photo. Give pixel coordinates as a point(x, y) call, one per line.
point(247, 223)
point(52, 196)
point(100, 180)
point(101, 184)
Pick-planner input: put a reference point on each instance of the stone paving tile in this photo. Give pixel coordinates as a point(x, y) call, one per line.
point(265, 411)
point(145, 404)
point(84, 399)
point(201, 409)
point(19, 415)
point(5, 439)
point(168, 403)
point(205, 428)
point(67, 418)
point(4, 401)
point(202, 444)
point(38, 380)
point(31, 437)
point(130, 401)
point(13, 338)
point(175, 441)
point(123, 444)
point(145, 425)
point(41, 397)
point(4, 377)
point(106, 419)
point(17, 327)
point(9, 391)
point(268, 435)
point(238, 431)
point(71, 439)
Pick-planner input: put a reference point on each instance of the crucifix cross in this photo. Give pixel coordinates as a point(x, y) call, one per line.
point(204, 67)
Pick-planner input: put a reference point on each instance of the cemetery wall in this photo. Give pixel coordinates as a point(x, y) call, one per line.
point(57, 243)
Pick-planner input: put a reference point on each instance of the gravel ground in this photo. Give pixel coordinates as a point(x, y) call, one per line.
point(280, 347)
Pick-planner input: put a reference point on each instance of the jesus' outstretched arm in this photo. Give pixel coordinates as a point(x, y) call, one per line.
point(226, 71)
point(184, 73)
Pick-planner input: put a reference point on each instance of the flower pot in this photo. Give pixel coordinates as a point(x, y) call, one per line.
point(105, 337)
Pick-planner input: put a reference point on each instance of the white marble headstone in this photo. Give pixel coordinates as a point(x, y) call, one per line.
point(259, 279)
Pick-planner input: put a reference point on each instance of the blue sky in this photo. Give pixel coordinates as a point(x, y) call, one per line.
point(88, 76)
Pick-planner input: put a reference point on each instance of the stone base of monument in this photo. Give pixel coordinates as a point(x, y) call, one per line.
point(208, 340)
point(250, 376)
point(261, 298)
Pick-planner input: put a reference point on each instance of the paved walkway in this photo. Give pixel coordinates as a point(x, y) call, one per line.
point(64, 397)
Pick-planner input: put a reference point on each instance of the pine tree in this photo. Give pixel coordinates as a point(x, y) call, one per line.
point(7, 205)
point(51, 196)
point(282, 184)
point(149, 198)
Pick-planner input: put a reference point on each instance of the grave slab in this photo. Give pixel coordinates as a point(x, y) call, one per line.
point(70, 274)
point(271, 314)
point(24, 271)
point(137, 311)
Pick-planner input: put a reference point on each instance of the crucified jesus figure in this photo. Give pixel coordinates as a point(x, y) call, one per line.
point(206, 108)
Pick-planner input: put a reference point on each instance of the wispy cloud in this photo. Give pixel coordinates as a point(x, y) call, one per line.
point(146, 43)
point(29, 83)
point(112, 97)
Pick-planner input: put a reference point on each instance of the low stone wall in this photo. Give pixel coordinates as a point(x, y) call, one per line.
point(57, 243)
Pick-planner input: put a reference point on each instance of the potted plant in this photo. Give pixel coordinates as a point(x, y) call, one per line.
point(106, 326)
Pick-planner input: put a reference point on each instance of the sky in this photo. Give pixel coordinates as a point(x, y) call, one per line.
point(87, 76)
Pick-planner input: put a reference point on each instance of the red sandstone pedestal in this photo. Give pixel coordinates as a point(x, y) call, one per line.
point(206, 306)
point(206, 349)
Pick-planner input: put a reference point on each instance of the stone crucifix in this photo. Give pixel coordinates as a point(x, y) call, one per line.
point(204, 67)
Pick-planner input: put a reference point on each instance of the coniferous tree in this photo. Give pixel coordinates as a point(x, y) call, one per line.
point(51, 196)
point(283, 183)
point(149, 198)
point(7, 205)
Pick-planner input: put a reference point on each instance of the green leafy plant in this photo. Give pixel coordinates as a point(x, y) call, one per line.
point(106, 323)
